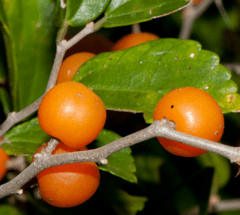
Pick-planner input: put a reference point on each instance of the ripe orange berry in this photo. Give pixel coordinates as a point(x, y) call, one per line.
point(72, 113)
point(194, 112)
point(71, 65)
point(197, 1)
point(68, 185)
point(93, 43)
point(3, 159)
point(134, 39)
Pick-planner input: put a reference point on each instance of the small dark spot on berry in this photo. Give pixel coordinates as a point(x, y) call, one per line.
point(172, 106)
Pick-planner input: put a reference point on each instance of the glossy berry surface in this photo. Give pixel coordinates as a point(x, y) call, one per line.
point(71, 65)
point(197, 1)
point(4, 157)
point(68, 185)
point(72, 113)
point(134, 39)
point(194, 112)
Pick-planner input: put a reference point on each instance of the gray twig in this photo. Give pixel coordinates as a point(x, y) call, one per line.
point(163, 128)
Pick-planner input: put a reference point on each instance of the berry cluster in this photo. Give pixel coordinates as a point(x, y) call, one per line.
point(75, 115)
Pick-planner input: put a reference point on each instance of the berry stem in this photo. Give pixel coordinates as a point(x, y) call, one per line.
point(136, 28)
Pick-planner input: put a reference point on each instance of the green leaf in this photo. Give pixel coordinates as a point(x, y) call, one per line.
point(2, 69)
point(29, 36)
point(148, 168)
point(128, 204)
point(3, 18)
point(80, 12)
point(127, 12)
point(221, 166)
point(24, 138)
point(135, 79)
point(120, 163)
point(9, 210)
point(5, 101)
point(60, 14)
point(3, 64)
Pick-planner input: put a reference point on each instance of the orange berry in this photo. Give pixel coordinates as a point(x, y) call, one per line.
point(72, 113)
point(197, 1)
point(93, 43)
point(68, 185)
point(194, 112)
point(134, 39)
point(116, 118)
point(3, 159)
point(71, 65)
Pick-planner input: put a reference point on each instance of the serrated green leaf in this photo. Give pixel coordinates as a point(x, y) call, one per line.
point(236, 78)
point(24, 138)
point(29, 36)
point(127, 12)
point(120, 163)
point(135, 79)
point(127, 204)
point(9, 210)
point(5, 101)
point(80, 12)
point(221, 166)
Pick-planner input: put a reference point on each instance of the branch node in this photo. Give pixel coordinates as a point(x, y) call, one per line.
point(51, 146)
point(12, 115)
point(168, 123)
point(20, 191)
point(104, 161)
point(91, 25)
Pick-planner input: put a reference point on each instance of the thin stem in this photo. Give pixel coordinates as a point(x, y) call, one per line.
point(62, 32)
point(163, 128)
point(136, 28)
point(223, 12)
point(190, 14)
point(62, 47)
point(233, 66)
point(14, 117)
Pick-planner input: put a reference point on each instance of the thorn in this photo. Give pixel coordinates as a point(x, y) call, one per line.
point(91, 24)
